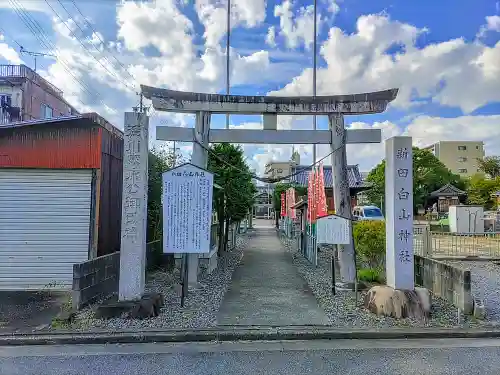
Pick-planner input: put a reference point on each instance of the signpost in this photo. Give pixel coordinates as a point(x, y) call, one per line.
point(187, 213)
point(335, 230)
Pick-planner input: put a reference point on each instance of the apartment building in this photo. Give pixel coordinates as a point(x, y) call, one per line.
point(25, 96)
point(459, 156)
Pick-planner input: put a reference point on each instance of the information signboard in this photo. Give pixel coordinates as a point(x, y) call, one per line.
point(333, 230)
point(187, 209)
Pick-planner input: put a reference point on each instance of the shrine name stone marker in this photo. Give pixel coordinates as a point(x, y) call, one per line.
point(134, 207)
point(187, 209)
point(399, 213)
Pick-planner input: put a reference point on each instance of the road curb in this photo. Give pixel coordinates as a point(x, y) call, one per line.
point(245, 334)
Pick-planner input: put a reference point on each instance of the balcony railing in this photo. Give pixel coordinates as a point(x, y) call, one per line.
point(22, 71)
point(7, 118)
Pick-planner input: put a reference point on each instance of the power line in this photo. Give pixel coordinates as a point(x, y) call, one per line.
point(39, 33)
point(82, 44)
point(270, 180)
point(96, 33)
point(10, 37)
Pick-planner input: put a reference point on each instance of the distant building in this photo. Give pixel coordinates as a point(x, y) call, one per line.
point(281, 169)
point(26, 96)
point(263, 207)
point(460, 157)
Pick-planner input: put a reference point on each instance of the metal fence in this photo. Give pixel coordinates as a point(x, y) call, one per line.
point(303, 242)
point(452, 245)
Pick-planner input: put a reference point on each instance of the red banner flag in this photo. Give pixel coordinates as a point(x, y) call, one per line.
point(310, 197)
point(292, 210)
point(322, 208)
point(314, 195)
point(283, 205)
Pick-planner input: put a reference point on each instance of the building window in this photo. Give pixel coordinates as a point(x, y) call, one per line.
point(463, 170)
point(477, 147)
point(462, 148)
point(462, 159)
point(46, 111)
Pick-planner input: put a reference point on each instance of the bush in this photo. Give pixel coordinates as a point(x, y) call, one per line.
point(371, 275)
point(369, 241)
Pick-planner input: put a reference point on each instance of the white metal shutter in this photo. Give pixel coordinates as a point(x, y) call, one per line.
point(44, 226)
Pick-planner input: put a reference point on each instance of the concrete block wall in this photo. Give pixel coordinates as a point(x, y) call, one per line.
point(95, 279)
point(445, 281)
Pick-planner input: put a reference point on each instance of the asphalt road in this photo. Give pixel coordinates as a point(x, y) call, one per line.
point(351, 357)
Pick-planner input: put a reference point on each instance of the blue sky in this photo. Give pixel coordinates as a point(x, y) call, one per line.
point(444, 56)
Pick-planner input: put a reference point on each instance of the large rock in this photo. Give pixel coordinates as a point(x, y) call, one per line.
point(384, 300)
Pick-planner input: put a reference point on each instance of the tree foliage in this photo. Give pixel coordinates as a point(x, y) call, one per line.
point(232, 173)
point(480, 189)
point(490, 165)
point(369, 240)
point(429, 174)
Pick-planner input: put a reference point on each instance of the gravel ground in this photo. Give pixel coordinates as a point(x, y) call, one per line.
point(201, 305)
point(343, 311)
point(485, 286)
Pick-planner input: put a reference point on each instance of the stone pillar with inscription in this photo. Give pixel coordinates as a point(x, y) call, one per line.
point(342, 198)
point(399, 298)
point(399, 213)
point(199, 158)
point(134, 207)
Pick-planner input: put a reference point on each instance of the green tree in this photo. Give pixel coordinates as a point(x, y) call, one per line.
point(232, 173)
point(479, 190)
point(490, 165)
point(280, 188)
point(429, 174)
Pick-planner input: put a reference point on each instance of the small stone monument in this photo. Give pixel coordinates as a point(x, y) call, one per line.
point(399, 298)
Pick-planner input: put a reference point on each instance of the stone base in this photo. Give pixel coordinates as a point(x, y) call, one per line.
point(384, 300)
point(339, 285)
point(146, 307)
point(479, 309)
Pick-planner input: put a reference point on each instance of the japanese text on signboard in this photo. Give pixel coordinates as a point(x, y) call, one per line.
point(187, 210)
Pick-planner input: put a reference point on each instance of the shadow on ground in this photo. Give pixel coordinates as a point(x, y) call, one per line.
point(29, 311)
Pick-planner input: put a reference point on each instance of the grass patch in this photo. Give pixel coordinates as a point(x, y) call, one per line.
point(371, 275)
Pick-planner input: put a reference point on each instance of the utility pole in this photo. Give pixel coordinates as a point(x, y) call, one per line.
point(228, 40)
point(35, 54)
point(315, 52)
point(141, 107)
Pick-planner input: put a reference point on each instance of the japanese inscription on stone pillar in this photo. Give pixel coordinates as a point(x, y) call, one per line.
point(134, 206)
point(399, 212)
point(187, 209)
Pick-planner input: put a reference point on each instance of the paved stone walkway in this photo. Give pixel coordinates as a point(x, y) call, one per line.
point(266, 288)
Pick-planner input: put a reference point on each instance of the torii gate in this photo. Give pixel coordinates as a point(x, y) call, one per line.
point(203, 105)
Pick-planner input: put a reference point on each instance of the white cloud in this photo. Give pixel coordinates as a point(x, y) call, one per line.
point(296, 28)
point(493, 23)
point(426, 130)
point(360, 62)
point(8, 53)
point(30, 5)
point(271, 36)
point(213, 16)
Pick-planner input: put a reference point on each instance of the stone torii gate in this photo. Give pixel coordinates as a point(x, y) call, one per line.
point(203, 105)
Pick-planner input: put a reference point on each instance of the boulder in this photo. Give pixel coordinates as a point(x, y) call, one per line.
point(399, 304)
point(479, 309)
